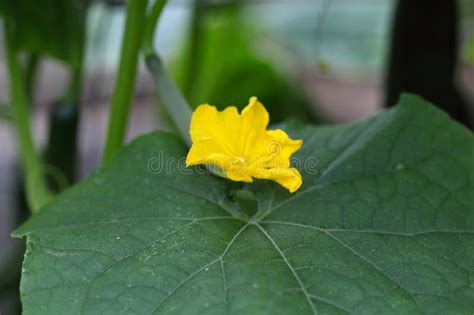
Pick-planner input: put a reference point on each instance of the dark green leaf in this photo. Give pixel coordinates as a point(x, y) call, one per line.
point(385, 226)
point(51, 27)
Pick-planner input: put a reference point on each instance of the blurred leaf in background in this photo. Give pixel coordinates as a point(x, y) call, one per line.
point(470, 51)
point(467, 13)
point(224, 69)
point(467, 8)
point(54, 29)
point(49, 27)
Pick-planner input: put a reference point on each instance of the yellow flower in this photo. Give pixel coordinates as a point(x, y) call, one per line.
point(241, 146)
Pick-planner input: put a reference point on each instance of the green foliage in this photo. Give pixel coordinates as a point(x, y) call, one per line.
point(466, 8)
point(50, 27)
point(228, 71)
point(469, 50)
point(386, 226)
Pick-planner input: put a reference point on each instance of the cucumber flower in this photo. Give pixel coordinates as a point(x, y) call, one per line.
point(240, 145)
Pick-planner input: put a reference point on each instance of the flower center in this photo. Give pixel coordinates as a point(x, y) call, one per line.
point(239, 159)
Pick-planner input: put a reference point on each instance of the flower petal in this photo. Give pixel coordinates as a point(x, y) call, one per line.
point(255, 114)
point(208, 124)
point(238, 174)
point(206, 152)
point(241, 146)
point(254, 121)
point(289, 178)
point(281, 148)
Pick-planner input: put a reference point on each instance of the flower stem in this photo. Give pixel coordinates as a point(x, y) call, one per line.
point(124, 85)
point(151, 24)
point(36, 190)
point(171, 97)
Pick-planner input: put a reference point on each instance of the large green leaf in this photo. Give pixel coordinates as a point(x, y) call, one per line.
point(51, 27)
point(386, 226)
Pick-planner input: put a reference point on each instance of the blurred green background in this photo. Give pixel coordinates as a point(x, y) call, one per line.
point(318, 61)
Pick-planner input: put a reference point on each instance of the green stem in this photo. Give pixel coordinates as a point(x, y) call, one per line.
point(74, 90)
point(124, 85)
point(30, 73)
point(36, 189)
point(194, 53)
point(172, 98)
point(151, 24)
point(73, 93)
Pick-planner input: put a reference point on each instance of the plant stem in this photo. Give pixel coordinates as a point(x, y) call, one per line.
point(172, 98)
point(124, 85)
point(73, 93)
point(194, 51)
point(36, 190)
point(30, 73)
point(151, 25)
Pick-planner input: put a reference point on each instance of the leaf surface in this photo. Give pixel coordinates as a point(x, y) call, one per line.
point(383, 224)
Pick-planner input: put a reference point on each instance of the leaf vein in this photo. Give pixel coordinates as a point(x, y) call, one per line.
point(285, 259)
